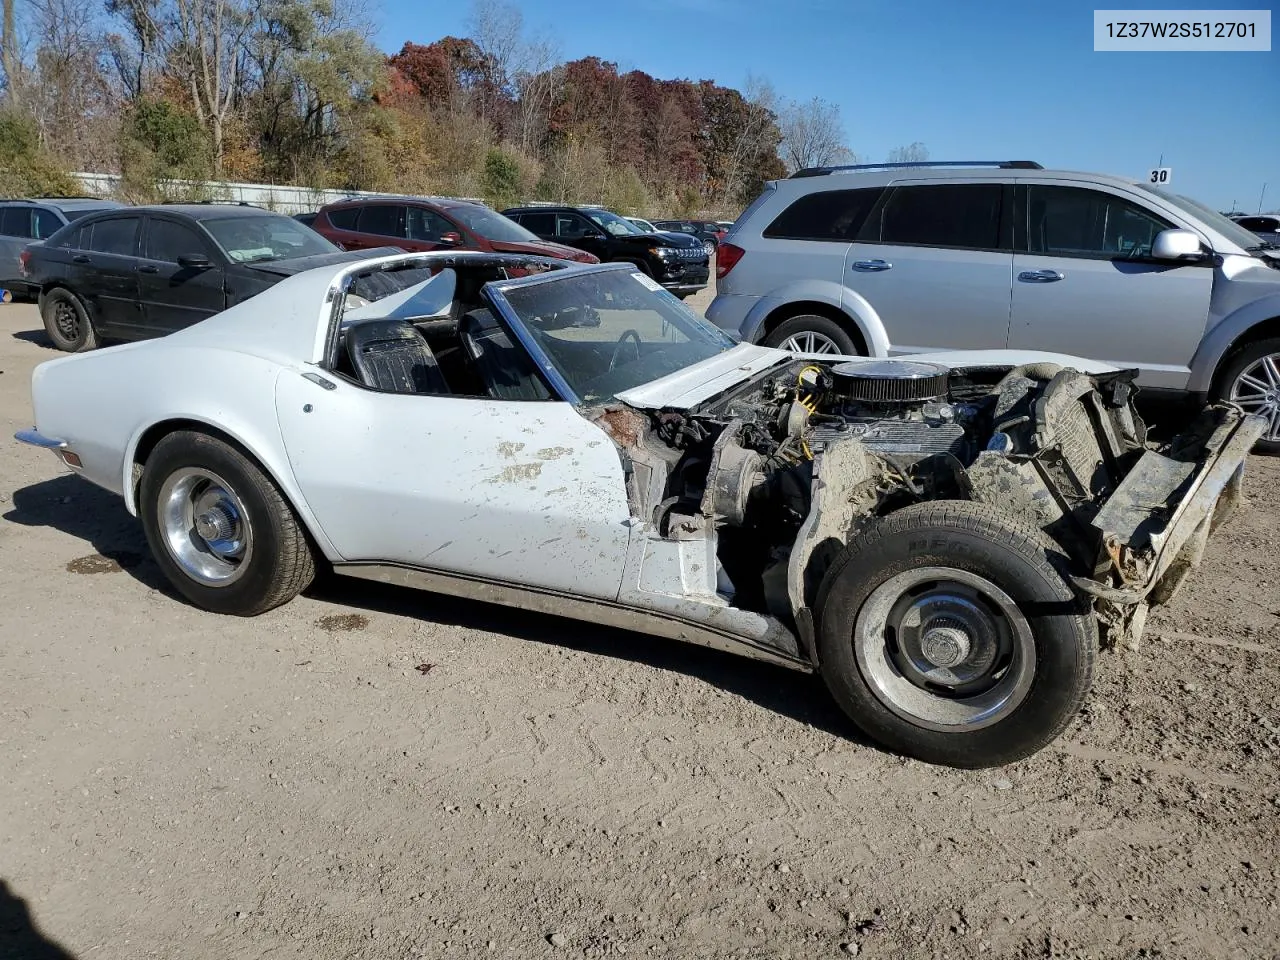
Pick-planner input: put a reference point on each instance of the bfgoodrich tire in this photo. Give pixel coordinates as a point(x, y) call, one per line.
point(219, 529)
point(947, 634)
point(1252, 380)
point(812, 333)
point(67, 322)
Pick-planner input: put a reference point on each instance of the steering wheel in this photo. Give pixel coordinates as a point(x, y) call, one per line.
point(617, 350)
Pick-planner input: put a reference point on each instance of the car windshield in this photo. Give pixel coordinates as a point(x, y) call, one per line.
point(608, 331)
point(490, 224)
point(612, 223)
point(256, 239)
point(1224, 225)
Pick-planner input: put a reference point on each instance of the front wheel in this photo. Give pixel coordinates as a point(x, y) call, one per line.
point(947, 634)
point(1252, 382)
point(219, 528)
point(67, 322)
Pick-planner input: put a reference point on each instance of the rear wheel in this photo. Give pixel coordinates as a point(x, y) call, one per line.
point(947, 634)
point(710, 247)
point(1252, 382)
point(812, 333)
point(219, 529)
point(67, 322)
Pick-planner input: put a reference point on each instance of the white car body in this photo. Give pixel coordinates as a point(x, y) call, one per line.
point(562, 504)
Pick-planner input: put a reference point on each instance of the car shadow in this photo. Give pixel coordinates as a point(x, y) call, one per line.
point(790, 693)
point(20, 938)
point(89, 513)
point(37, 336)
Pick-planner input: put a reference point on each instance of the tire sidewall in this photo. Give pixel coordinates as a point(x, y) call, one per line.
point(186, 449)
point(1062, 635)
point(818, 324)
point(48, 305)
point(1231, 372)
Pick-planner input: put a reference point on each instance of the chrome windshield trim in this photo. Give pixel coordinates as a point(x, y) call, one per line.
point(508, 314)
point(37, 439)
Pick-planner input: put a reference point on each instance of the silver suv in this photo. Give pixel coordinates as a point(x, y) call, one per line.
point(899, 258)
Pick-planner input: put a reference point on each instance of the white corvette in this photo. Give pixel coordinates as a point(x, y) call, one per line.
point(944, 538)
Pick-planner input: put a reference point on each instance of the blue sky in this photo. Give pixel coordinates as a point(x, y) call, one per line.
point(995, 80)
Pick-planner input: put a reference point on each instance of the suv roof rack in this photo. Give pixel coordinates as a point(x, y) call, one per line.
point(999, 164)
point(220, 203)
point(77, 196)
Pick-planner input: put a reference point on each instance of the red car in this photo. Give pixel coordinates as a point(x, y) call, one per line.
point(417, 225)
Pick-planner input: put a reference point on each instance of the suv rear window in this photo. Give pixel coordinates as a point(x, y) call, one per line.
point(383, 219)
point(15, 221)
point(345, 218)
point(960, 215)
point(543, 224)
point(829, 215)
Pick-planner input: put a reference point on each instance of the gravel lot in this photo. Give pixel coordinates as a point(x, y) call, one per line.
point(377, 773)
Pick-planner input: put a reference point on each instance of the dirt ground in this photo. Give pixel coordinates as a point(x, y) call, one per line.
point(376, 773)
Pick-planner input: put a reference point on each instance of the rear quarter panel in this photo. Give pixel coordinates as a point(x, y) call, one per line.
point(102, 404)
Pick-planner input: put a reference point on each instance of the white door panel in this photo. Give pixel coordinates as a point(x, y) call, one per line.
point(525, 492)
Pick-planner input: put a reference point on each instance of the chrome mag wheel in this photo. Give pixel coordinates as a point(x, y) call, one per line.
point(205, 526)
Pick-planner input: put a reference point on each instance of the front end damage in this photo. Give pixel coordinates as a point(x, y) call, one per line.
point(781, 472)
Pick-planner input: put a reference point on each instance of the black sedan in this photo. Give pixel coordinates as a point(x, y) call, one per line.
point(142, 272)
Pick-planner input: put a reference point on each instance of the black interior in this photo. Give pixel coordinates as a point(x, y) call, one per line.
point(393, 356)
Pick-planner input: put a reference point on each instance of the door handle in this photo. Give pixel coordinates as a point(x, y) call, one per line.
point(1040, 276)
point(148, 268)
point(871, 266)
point(79, 258)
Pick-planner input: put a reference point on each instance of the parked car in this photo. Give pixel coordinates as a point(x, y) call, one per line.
point(643, 224)
point(882, 260)
point(725, 225)
point(709, 233)
point(578, 443)
point(146, 271)
point(1266, 226)
point(22, 221)
point(419, 224)
point(677, 262)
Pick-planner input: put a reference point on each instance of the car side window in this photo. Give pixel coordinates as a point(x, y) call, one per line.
point(168, 240)
point(425, 225)
point(543, 224)
point(571, 227)
point(15, 221)
point(344, 218)
point(47, 223)
point(1076, 222)
point(830, 215)
point(382, 219)
point(118, 236)
point(963, 216)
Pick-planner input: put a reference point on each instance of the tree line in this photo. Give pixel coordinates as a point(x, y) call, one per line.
point(296, 92)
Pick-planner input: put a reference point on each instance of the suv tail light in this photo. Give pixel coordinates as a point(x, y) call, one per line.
point(24, 259)
point(727, 257)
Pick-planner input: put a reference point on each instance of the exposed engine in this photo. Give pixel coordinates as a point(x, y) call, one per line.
point(1041, 442)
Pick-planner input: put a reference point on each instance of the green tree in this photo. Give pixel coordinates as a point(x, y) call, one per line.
point(500, 181)
point(26, 170)
point(160, 143)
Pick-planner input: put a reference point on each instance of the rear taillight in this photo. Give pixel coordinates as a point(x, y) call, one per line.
point(727, 257)
point(24, 260)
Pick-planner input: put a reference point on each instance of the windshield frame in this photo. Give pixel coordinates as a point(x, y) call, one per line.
point(497, 290)
point(462, 213)
point(210, 223)
point(602, 218)
point(1223, 226)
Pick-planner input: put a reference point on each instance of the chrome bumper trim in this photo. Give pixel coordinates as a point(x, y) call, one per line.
point(37, 439)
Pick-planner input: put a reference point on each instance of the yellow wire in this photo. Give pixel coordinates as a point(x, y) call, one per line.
point(804, 444)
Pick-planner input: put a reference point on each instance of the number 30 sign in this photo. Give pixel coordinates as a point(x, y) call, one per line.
point(1160, 175)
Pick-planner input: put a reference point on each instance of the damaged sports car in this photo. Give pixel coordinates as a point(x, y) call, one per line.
point(948, 540)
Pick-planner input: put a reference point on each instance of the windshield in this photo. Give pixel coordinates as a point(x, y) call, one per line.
point(614, 224)
point(606, 332)
point(1227, 227)
point(491, 225)
point(257, 239)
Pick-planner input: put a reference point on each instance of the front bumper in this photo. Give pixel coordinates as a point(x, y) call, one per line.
point(1153, 556)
